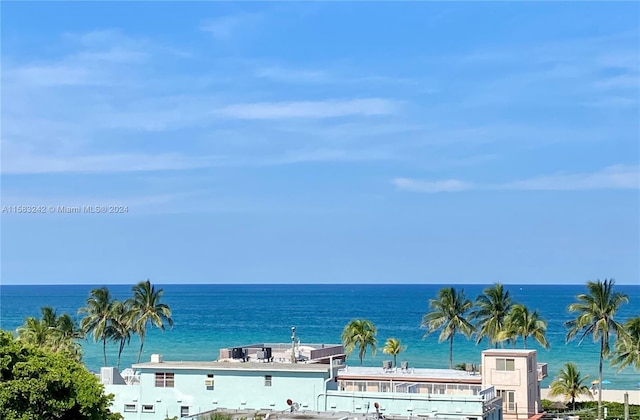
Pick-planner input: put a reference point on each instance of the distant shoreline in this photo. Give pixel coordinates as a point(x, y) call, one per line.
point(608, 395)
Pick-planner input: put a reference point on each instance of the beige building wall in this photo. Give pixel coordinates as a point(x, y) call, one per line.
point(514, 375)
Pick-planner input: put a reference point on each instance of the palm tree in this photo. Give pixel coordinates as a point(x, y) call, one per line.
point(360, 333)
point(521, 322)
point(569, 384)
point(627, 346)
point(393, 347)
point(119, 329)
point(448, 312)
point(97, 320)
point(493, 305)
point(595, 316)
point(34, 331)
point(146, 309)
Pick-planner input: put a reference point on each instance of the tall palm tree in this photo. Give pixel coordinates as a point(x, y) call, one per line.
point(146, 309)
point(570, 384)
point(359, 333)
point(521, 322)
point(595, 316)
point(492, 307)
point(64, 336)
point(98, 316)
point(627, 346)
point(448, 312)
point(393, 347)
point(119, 329)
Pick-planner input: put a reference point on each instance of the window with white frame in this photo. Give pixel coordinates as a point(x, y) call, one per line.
point(267, 380)
point(148, 408)
point(184, 411)
point(505, 365)
point(130, 408)
point(165, 380)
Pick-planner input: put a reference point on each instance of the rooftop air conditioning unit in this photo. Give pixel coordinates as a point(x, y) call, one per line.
point(208, 382)
point(156, 358)
point(386, 364)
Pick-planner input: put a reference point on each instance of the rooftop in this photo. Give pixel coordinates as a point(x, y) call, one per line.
point(433, 375)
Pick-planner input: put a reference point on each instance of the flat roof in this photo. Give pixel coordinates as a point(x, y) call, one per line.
point(508, 352)
point(411, 374)
point(233, 365)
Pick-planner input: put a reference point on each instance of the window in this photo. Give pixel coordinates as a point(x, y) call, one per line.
point(164, 380)
point(184, 411)
point(530, 364)
point(130, 408)
point(508, 400)
point(267, 380)
point(505, 364)
point(209, 382)
point(147, 409)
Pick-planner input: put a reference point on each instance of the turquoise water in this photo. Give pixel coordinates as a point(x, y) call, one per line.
point(209, 317)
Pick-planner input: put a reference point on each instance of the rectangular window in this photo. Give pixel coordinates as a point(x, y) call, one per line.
point(508, 400)
point(164, 380)
point(130, 408)
point(147, 408)
point(209, 382)
point(267, 380)
point(505, 365)
point(184, 411)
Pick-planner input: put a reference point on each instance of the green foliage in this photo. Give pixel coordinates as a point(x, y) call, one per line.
point(595, 312)
point(146, 309)
point(359, 333)
point(627, 346)
point(570, 384)
point(492, 307)
point(55, 333)
point(520, 322)
point(37, 383)
point(394, 348)
point(586, 410)
point(448, 312)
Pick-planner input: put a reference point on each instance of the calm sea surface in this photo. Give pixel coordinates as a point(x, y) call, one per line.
point(209, 317)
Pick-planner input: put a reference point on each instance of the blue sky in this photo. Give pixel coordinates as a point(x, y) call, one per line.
point(321, 142)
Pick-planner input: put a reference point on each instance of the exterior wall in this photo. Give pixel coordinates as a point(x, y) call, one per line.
point(444, 407)
point(233, 389)
point(522, 381)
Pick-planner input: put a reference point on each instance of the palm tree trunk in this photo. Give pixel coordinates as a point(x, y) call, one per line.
point(120, 353)
point(451, 352)
point(395, 363)
point(141, 345)
point(104, 350)
point(600, 377)
point(524, 339)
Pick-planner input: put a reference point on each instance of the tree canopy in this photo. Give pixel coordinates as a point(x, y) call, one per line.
point(38, 383)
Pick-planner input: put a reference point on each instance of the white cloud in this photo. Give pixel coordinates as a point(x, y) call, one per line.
point(614, 177)
point(308, 109)
point(225, 27)
point(281, 74)
point(448, 185)
point(610, 178)
point(26, 163)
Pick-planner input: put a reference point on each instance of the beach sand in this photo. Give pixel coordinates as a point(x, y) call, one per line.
point(612, 395)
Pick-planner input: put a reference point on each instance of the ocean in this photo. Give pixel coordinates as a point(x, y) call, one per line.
point(210, 317)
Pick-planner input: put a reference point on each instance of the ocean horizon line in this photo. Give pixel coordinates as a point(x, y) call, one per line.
point(314, 284)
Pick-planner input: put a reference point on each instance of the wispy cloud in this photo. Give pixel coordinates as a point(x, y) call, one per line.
point(39, 164)
point(309, 109)
point(447, 185)
point(617, 177)
point(223, 28)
